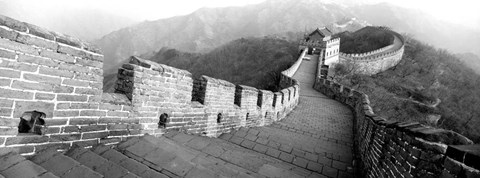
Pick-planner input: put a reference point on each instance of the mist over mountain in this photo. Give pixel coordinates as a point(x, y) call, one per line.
point(208, 28)
point(86, 24)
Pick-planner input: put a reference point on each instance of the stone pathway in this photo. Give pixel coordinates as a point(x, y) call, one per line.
point(316, 135)
point(315, 140)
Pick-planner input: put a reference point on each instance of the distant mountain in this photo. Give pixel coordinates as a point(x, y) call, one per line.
point(86, 24)
point(208, 28)
point(254, 62)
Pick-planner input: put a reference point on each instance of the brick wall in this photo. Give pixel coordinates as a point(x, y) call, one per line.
point(194, 105)
point(62, 77)
point(375, 61)
point(385, 148)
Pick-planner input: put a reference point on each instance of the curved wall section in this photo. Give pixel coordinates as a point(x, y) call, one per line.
point(376, 61)
point(402, 149)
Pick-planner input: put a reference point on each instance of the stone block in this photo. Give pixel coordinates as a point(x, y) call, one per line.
point(23, 106)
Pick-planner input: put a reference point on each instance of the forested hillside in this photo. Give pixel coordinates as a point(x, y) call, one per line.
point(254, 62)
point(364, 40)
point(429, 85)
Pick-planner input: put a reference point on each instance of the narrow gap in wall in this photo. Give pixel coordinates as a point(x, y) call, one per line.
point(259, 99)
point(163, 120)
point(219, 118)
point(247, 117)
point(274, 101)
point(198, 90)
point(238, 96)
point(32, 122)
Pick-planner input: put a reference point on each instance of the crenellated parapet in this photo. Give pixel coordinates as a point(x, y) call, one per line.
point(385, 148)
point(194, 104)
point(61, 78)
point(378, 60)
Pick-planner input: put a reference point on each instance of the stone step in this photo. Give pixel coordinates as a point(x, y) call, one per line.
point(126, 162)
point(61, 165)
point(16, 166)
point(97, 163)
point(241, 158)
point(174, 160)
point(301, 150)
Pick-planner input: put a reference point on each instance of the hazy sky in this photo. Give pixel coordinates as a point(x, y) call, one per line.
point(457, 11)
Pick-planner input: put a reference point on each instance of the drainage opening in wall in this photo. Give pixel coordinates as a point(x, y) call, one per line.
point(266, 114)
point(163, 120)
point(219, 118)
point(32, 122)
point(247, 117)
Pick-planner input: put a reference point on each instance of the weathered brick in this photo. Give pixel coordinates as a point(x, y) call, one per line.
point(6, 103)
point(30, 40)
point(8, 34)
point(18, 66)
point(37, 60)
point(26, 139)
point(65, 137)
point(68, 40)
point(8, 131)
point(23, 106)
point(118, 113)
point(84, 106)
point(90, 128)
point(108, 106)
point(87, 77)
point(70, 129)
point(9, 122)
point(97, 85)
point(91, 63)
point(16, 94)
point(32, 86)
point(117, 126)
point(61, 97)
point(91, 135)
point(70, 50)
point(7, 44)
point(68, 113)
point(92, 113)
point(88, 91)
point(63, 89)
point(94, 98)
point(40, 32)
point(118, 132)
point(6, 112)
point(59, 57)
point(9, 73)
point(5, 82)
point(56, 122)
point(43, 79)
point(12, 23)
point(83, 121)
point(7, 54)
point(77, 83)
point(56, 72)
point(44, 96)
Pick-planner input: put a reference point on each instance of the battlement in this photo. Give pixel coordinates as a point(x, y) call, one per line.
point(378, 60)
point(402, 149)
point(335, 41)
point(62, 77)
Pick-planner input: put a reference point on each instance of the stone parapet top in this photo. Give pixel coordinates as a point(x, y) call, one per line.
point(46, 34)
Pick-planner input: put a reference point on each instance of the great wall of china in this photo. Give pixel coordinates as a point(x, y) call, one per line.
point(62, 77)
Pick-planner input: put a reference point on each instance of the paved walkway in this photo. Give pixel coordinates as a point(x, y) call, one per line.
point(316, 135)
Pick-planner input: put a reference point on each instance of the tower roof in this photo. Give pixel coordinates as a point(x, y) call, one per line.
point(323, 32)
